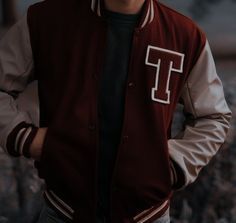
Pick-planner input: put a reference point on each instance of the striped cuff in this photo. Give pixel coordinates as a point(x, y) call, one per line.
point(20, 139)
point(28, 139)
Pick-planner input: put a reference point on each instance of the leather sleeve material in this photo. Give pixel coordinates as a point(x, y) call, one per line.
point(16, 66)
point(207, 120)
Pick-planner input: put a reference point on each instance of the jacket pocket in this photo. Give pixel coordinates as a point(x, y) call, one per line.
point(177, 175)
point(173, 176)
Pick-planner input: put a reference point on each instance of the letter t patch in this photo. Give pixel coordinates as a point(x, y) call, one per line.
point(165, 62)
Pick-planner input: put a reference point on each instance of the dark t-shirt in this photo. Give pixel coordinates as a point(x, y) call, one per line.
point(112, 97)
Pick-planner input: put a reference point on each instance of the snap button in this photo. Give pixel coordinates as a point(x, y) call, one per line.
point(125, 138)
point(131, 84)
point(92, 127)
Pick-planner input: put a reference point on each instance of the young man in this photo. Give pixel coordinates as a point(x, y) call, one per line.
point(110, 74)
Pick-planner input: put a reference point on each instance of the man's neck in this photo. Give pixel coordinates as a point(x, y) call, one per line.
point(124, 6)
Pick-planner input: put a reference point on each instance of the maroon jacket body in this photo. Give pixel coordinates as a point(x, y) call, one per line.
point(68, 41)
point(61, 44)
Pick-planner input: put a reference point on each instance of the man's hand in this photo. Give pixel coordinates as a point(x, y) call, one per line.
point(37, 144)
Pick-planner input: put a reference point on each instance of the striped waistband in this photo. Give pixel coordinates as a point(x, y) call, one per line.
point(59, 204)
point(151, 213)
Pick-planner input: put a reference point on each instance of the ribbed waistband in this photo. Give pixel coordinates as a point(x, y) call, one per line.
point(59, 205)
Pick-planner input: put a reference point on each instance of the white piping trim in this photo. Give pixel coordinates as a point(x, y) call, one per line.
point(93, 2)
point(142, 213)
point(152, 12)
point(151, 214)
point(22, 142)
point(17, 139)
point(57, 207)
point(62, 202)
point(146, 18)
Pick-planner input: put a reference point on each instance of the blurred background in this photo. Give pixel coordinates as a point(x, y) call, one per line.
point(212, 198)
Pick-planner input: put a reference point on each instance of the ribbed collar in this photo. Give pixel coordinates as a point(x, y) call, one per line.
point(147, 12)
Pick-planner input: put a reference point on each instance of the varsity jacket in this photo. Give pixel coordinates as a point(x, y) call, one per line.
point(61, 45)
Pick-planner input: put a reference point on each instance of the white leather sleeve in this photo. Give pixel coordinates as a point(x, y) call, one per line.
point(207, 119)
point(16, 66)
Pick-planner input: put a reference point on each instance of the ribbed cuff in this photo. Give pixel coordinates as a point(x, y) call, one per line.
point(28, 141)
point(19, 140)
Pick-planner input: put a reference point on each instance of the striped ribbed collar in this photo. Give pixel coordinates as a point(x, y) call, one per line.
point(148, 11)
